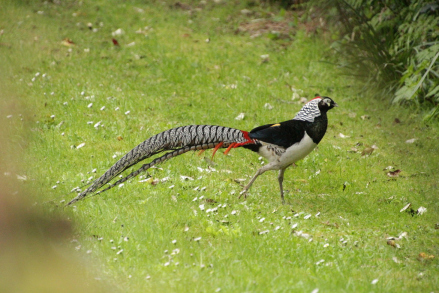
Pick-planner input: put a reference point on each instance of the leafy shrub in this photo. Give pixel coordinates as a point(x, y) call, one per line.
point(394, 43)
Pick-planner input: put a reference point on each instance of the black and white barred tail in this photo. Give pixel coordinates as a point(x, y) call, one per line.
point(177, 141)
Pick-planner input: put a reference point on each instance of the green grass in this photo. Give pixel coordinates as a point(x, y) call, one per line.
point(170, 77)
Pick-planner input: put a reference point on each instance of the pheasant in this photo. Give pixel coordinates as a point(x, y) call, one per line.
point(282, 144)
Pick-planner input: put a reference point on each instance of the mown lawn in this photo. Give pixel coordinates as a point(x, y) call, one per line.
point(85, 104)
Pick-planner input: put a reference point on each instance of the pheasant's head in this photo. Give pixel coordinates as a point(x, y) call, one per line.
point(315, 108)
point(326, 103)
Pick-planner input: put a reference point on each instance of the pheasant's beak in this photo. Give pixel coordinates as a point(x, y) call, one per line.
point(335, 104)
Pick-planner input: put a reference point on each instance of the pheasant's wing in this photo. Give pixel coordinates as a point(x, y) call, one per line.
point(283, 134)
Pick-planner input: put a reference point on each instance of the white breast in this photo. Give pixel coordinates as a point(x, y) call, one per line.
point(297, 151)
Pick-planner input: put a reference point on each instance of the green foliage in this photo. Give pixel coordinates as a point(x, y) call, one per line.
point(393, 43)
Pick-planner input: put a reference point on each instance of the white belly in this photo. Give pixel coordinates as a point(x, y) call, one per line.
point(285, 157)
point(297, 151)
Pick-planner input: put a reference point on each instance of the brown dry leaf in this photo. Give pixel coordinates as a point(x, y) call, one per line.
point(365, 117)
point(67, 42)
point(209, 200)
point(119, 138)
point(367, 151)
point(394, 173)
point(327, 223)
point(425, 256)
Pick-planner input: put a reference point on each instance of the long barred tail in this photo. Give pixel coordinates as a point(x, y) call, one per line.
point(176, 140)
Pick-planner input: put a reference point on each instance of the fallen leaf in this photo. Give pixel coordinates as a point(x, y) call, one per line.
point(367, 151)
point(393, 243)
point(364, 117)
point(67, 42)
point(425, 256)
point(119, 138)
point(115, 42)
point(394, 173)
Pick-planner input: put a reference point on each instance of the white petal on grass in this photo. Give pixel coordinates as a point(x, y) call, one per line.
point(197, 239)
point(264, 232)
point(119, 252)
point(240, 116)
point(116, 109)
point(97, 124)
point(316, 290)
point(174, 241)
point(166, 264)
point(80, 145)
point(421, 210)
point(172, 186)
point(342, 135)
point(410, 140)
point(277, 228)
point(318, 214)
point(374, 281)
point(233, 212)
point(294, 226)
point(405, 207)
point(127, 112)
point(102, 108)
point(201, 206)
point(326, 245)
point(268, 106)
point(307, 217)
point(261, 220)
point(90, 105)
point(182, 177)
point(117, 32)
point(303, 235)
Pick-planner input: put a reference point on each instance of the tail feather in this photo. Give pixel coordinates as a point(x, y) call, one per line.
point(177, 140)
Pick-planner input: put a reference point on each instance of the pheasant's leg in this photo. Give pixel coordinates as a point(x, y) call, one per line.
point(280, 178)
point(259, 172)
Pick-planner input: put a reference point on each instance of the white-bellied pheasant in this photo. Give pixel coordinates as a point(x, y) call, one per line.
point(282, 144)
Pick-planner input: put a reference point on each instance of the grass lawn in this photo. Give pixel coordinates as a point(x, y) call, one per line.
point(85, 101)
